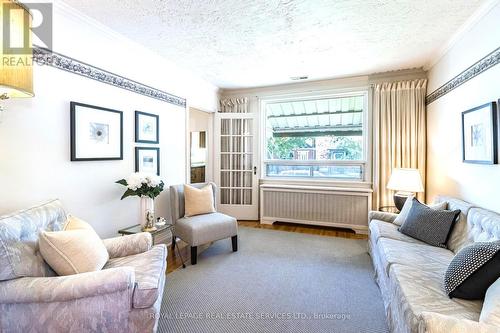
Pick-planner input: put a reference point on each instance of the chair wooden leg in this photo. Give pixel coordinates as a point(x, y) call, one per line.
point(194, 254)
point(173, 242)
point(234, 240)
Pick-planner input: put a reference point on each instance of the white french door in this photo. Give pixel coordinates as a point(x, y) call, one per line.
point(236, 164)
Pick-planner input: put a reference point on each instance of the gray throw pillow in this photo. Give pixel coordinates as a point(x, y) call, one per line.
point(403, 214)
point(429, 225)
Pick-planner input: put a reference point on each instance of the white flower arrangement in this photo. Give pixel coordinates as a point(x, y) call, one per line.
point(142, 185)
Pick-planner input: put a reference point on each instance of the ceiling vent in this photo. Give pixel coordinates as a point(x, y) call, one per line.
point(297, 78)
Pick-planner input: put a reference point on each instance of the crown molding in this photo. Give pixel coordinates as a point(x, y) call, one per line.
point(470, 23)
point(298, 87)
point(66, 10)
point(340, 83)
point(62, 8)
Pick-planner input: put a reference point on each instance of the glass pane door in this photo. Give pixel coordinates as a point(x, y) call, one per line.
point(236, 161)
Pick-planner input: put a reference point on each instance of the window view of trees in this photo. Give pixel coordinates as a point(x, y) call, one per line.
point(319, 137)
point(327, 147)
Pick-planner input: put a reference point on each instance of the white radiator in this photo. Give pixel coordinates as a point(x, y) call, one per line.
point(327, 206)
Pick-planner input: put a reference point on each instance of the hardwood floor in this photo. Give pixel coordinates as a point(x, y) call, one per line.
point(174, 261)
point(305, 229)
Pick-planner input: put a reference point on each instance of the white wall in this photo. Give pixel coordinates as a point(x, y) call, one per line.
point(34, 134)
point(446, 173)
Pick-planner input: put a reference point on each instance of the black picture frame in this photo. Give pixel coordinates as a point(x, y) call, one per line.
point(494, 119)
point(138, 139)
point(137, 164)
point(74, 137)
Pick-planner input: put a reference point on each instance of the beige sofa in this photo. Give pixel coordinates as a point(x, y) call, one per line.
point(410, 273)
point(125, 296)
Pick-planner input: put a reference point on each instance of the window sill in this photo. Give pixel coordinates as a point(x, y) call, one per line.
point(348, 184)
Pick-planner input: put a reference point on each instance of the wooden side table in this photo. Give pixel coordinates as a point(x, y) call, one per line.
point(162, 235)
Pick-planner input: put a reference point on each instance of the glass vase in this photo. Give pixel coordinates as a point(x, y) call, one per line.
point(147, 214)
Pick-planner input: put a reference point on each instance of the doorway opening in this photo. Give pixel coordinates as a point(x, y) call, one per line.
point(200, 146)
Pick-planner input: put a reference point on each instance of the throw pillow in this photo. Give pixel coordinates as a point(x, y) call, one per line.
point(473, 270)
point(74, 223)
point(403, 214)
point(429, 225)
point(198, 201)
point(490, 314)
point(76, 249)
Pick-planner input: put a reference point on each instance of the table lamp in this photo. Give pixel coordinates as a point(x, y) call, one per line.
point(406, 182)
point(16, 68)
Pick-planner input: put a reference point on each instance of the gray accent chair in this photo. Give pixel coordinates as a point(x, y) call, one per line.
point(125, 296)
point(200, 229)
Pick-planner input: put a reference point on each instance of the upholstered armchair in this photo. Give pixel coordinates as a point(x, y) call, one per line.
point(200, 229)
point(125, 296)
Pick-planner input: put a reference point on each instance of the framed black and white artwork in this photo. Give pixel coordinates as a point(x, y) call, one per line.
point(147, 160)
point(96, 133)
point(147, 127)
point(480, 134)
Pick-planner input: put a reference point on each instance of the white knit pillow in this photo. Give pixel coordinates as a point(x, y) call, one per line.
point(76, 249)
point(198, 201)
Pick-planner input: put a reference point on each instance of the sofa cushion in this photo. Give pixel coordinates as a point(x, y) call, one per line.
point(202, 229)
point(381, 229)
point(421, 256)
point(150, 268)
point(458, 237)
point(19, 251)
point(429, 225)
point(473, 270)
point(490, 313)
point(416, 290)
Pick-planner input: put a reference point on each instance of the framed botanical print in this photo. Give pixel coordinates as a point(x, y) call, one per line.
point(480, 134)
point(96, 133)
point(147, 129)
point(147, 160)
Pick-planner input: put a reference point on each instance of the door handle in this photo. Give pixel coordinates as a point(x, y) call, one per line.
point(255, 170)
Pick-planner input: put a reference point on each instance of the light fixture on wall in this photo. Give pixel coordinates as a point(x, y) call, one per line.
point(16, 65)
point(406, 182)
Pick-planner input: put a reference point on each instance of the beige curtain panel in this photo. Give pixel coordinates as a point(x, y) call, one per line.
point(234, 105)
point(399, 117)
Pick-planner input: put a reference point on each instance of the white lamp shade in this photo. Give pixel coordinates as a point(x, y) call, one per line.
point(407, 180)
point(16, 70)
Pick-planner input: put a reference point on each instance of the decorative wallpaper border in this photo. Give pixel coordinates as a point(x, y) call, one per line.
point(482, 65)
point(43, 56)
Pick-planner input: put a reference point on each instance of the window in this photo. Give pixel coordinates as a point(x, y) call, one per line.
point(316, 138)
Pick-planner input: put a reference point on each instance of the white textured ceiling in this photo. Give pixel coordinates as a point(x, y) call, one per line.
point(249, 43)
